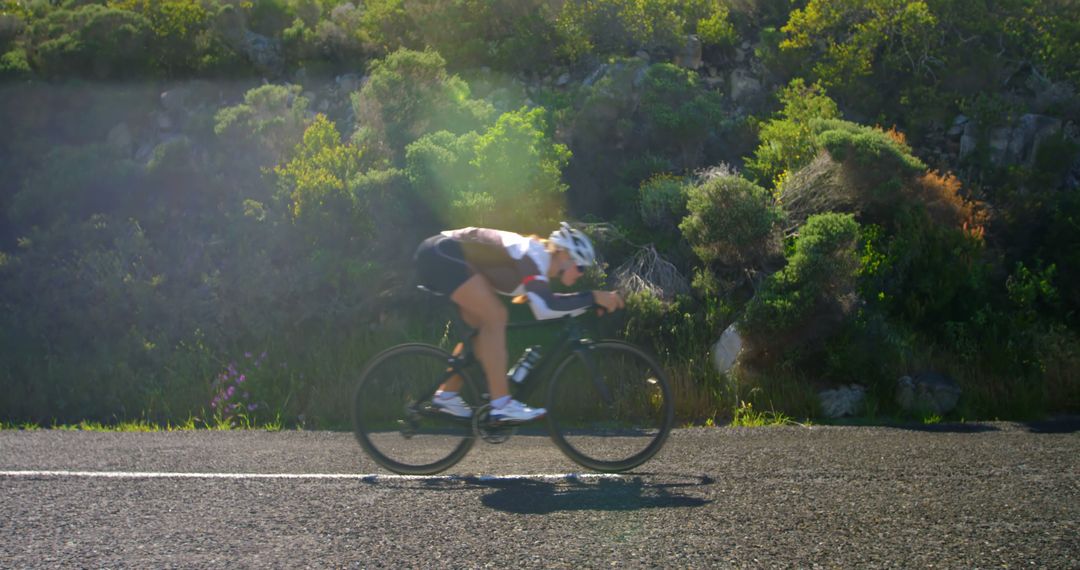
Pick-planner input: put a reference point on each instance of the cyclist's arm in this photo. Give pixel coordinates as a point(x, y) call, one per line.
point(546, 304)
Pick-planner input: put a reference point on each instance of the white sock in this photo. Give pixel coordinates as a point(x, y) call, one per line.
point(500, 403)
point(444, 395)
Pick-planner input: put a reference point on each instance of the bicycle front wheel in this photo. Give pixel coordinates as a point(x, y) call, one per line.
point(394, 420)
point(610, 406)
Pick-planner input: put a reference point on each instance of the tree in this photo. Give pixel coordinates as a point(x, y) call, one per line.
point(408, 95)
point(680, 112)
point(849, 37)
point(316, 181)
point(90, 41)
point(267, 126)
point(788, 141)
point(184, 39)
point(508, 176)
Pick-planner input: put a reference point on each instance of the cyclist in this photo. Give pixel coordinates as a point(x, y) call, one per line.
point(473, 265)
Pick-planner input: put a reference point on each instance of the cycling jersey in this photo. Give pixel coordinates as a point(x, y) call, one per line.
point(512, 263)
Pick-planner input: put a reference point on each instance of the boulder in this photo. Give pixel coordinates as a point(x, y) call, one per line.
point(727, 350)
point(162, 121)
point(743, 87)
point(263, 52)
point(969, 139)
point(1031, 131)
point(929, 392)
point(349, 82)
point(120, 138)
point(175, 100)
point(1014, 144)
point(957, 128)
point(845, 401)
point(690, 55)
point(596, 75)
point(1072, 179)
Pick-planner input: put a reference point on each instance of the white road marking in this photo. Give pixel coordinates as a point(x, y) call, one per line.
point(360, 476)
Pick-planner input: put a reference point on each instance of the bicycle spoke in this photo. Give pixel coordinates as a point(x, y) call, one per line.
point(611, 407)
point(393, 417)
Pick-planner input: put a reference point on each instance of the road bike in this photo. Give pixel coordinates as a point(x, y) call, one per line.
point(609, 404)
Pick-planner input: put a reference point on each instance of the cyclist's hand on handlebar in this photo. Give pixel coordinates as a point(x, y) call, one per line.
point(609, 301)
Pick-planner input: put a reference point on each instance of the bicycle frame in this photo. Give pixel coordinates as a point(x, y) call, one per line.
point(570, 339)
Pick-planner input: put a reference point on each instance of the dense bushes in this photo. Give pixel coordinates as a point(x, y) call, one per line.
point(506, 176)
point(813, 294)
point(92, 40)
point(160, 236)
point(410, 94)
point(732, 222)
point(625, 26)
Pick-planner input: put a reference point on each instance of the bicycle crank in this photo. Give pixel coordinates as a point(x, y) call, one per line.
point(488, 430)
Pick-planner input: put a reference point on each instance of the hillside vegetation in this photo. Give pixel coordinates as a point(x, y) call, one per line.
point(209, 207)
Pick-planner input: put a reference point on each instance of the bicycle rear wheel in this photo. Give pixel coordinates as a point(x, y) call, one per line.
point(610, 406)
point(394, 420)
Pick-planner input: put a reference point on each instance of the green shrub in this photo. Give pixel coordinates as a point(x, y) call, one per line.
point(717, 30)
point(606, 27)
point(316, 182)
point(184, 38)
point(388, 27)
point(813, 294)
point(269, 17)
point(508, 176)
point(925, 273)
point(335, 38)
point(71, 184)
point(517, 35)
point(857, 36)
point(267, 126)
point(789, 141)
point(90, 41)
point(680, 113)
point(13, 64)
point(732, 222)
point(870, 148)
point(662, 202)
point(410, 94)
point(12, 25)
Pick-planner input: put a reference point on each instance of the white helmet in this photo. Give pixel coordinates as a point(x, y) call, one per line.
point(575, 243)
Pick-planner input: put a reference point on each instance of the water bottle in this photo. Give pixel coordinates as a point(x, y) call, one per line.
point(525, 364)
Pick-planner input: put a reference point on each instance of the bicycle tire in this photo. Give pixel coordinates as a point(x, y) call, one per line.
point(610, 406)
point(392, 417)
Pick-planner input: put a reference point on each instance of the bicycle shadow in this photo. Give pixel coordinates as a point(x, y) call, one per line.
point(533, 497)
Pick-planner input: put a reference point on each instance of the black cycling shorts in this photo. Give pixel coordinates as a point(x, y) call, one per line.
point(440, 264)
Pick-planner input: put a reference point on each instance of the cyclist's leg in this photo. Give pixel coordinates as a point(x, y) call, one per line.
point(455, 382)
point(479, 302)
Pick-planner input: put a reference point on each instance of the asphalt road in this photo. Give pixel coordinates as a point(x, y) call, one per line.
point(972, 496)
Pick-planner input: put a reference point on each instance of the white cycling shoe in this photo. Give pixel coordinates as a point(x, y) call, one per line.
point(515, 411)
point(454, 405)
